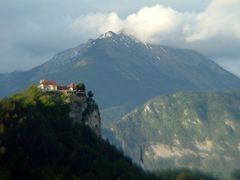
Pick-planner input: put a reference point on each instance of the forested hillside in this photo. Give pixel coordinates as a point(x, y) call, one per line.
point(38, 140)
point(198, 130)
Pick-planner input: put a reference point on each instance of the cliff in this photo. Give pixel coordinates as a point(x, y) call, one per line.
point(85, 110)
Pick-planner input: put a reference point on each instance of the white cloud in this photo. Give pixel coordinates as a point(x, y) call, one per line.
point(221, 18)
point(96, 24)
point(148, 24)
point(154, 23)
point(161, 24)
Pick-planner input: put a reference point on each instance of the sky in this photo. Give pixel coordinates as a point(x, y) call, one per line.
point(31, 32)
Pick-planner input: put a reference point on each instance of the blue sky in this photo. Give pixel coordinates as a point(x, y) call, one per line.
point(33, 31)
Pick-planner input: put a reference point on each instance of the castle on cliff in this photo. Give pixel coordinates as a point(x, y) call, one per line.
point(83, 108)
point(49, 85)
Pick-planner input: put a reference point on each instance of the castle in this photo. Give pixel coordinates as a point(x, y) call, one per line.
point(48, 85)
point(82, 108)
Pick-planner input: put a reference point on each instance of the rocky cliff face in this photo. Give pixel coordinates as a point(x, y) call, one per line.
point(85, 110)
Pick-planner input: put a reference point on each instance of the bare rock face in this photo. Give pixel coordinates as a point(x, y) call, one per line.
point(93, 121)
point(85, 110)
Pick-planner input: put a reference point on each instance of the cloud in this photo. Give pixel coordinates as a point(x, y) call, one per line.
point(149, 24)
point(217, 23)
point(93, 25)
point(221, 18)
point(154, 23)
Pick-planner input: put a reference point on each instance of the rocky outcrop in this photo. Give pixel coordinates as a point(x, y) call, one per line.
point(85, 110)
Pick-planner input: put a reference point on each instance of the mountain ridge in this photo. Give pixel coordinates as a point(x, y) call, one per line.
point(124, 70)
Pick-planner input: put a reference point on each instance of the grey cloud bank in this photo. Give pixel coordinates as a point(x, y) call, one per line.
point(33, 31)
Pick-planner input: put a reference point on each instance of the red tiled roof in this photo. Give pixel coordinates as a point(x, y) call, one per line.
point(48, 82)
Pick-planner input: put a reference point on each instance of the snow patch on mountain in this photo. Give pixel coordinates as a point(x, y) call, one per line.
point(108, 34)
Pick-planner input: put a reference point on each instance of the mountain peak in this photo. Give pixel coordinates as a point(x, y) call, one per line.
point(108, 34)
point(120, 36)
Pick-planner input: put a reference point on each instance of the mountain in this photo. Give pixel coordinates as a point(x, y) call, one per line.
point(126, 72)
point(39, 140)
point(198, 130)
